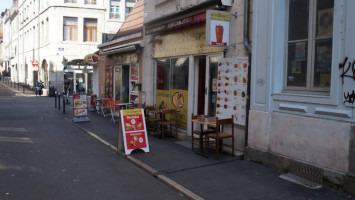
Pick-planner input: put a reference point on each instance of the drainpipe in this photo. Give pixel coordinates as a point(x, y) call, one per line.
point(178, 7)
point(248, 48)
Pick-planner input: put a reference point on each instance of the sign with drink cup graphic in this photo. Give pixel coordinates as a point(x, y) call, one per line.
point(134, 130)
point(217, 28)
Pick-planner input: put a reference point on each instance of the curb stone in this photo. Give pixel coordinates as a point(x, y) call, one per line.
point(187, 193)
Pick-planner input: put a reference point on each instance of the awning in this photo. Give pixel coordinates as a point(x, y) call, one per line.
point(134, 46)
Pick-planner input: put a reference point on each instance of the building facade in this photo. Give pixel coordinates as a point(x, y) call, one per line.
point(302, 88)
point(121, 60)
point(181, 71)
point(58, 34)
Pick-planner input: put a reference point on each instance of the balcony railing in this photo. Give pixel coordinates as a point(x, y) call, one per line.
point(114, 15)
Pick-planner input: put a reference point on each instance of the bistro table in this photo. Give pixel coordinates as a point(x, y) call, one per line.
point(203, 121)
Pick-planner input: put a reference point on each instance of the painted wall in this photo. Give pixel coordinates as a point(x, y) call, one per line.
point(313, 128)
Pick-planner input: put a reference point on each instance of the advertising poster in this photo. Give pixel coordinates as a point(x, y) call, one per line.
point(80, 105)
point(134, 72)
point(134, 130)
point(179, 99)
point(163, 99)
point(232, 89)
point(217, 28)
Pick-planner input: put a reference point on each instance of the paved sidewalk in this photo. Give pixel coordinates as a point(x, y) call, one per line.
point(175, 163)
point(197, 177)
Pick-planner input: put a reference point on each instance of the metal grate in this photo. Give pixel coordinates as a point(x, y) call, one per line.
point(301, 181)
point(307, 171)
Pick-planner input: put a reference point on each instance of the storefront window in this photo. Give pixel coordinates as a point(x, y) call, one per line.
point(310, 35)
point(180, 73)
point(172, 86)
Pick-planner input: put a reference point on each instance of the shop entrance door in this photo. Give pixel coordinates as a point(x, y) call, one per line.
point(207, 85)
point(121, 82)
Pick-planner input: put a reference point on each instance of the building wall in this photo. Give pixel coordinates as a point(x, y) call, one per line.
point(316, 129)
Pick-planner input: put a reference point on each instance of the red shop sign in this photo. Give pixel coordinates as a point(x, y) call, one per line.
point(134, 130)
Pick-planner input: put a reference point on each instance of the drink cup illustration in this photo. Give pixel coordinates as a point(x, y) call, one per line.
point(219, 33)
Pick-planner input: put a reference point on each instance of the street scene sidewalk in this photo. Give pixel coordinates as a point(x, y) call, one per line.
point(196, 177)
point(173, 161)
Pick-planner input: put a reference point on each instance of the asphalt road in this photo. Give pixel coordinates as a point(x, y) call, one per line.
point(44, 156)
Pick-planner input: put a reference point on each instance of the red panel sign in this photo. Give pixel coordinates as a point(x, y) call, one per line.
point(134, 130)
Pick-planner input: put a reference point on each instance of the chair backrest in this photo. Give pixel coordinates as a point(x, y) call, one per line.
point(222, 122)
point(198, 116)
point(106, 102)
point(169, 114)
point(114, 102)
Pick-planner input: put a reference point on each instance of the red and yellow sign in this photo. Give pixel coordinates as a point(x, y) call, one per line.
point(177, 99)
point(80, 105)
point(134, 130)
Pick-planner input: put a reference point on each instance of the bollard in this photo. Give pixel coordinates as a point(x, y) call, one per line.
point(58, 101)
point(55, 99)
point(23, 88)
point(63, 104)
point(18, 86)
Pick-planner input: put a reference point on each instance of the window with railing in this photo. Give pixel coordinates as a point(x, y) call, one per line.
point(90, 1)
point(115, 9)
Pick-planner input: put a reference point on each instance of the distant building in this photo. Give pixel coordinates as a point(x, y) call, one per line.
point(58, 34)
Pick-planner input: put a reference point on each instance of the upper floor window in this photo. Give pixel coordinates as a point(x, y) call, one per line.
point(115, 9)
point(70, 28)
point(90, 1)
point(70, 1)
point(90, 30)
point(129, 6)
point(309, 46)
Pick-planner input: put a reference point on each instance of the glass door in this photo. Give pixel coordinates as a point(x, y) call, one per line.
point(117, 82)
point(211, 85)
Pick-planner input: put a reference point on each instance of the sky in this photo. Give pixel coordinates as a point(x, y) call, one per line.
point(4, 4)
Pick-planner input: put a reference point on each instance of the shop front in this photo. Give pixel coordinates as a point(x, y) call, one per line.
point(186, 70)
point(80, 76)
point(121, 78)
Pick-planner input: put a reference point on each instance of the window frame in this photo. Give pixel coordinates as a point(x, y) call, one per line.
point(70, 30)
point(89, 37)
point(311, 44)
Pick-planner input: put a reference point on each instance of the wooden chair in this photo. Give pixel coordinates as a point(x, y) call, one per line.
point(219, 136)
point(115, 110)
point(151, 118)
point(168, 119)
point(198, 132)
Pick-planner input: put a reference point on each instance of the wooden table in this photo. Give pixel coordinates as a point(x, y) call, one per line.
point(203, 121)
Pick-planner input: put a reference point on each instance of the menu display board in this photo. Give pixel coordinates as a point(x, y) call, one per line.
point(232, 89)
point(80, 105)
point(134, 130)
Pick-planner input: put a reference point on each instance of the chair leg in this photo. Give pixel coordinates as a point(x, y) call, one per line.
point(162, 132)
point(217, 148)
point(206, 145)
point(232, 146)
